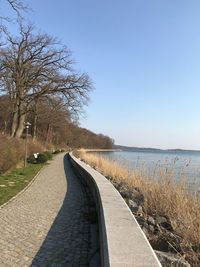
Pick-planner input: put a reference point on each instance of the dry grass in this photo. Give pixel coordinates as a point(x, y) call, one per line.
point(34, 146)
point(12, 151)
point(163, 196)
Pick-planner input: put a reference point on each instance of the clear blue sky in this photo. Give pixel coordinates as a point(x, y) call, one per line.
point(144, 59)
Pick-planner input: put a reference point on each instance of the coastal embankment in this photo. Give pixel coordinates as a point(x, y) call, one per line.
point(122, 242)
point(167, 212)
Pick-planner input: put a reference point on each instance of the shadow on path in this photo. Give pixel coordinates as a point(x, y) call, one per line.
point(68, 240)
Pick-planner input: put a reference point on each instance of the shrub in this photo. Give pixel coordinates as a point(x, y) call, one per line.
point(34, 146)
point(48, 154)
point(56, 151)
point(42, 158)
point(32, 159)
point(11, 152)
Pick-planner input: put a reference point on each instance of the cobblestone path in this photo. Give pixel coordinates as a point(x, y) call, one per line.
point(45, 225)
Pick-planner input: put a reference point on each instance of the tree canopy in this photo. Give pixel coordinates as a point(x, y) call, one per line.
point(33, 66)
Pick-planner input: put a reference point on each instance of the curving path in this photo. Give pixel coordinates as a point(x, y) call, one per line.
point(45, 225)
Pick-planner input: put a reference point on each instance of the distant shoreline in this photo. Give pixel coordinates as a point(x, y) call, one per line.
point(101, 150)
point(119, 148)
point(155, 150)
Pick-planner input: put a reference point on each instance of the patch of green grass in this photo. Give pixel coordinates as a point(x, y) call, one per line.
point(15, 181)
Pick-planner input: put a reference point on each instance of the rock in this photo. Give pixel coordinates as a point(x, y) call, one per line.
point(171, 260)
point(167, 226)
point(151, 228)
point(145, 231)
point(133, 205)
point(140, 220)
point(196, 248)
point(164, 222)
point(160, 219)
point(116, 185)
point(167, 242)
point(140, 210)
point(145, 225)
point(132, 193)
point(160, 243)
point(151, 220)
point(136, 196)
point(123, 190)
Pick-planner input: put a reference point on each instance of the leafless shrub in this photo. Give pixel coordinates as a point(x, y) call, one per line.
point(34, 146)
point(11, 153)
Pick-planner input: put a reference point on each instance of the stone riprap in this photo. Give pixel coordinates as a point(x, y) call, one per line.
point(45, 225)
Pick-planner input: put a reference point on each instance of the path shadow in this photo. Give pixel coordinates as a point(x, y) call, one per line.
point(68, 240)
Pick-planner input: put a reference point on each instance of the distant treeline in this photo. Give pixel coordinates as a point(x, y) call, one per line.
point(154, 150)
point(52, 124)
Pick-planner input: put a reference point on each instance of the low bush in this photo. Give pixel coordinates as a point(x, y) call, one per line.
point(48, 154)
point(42, 158)
point(56, 151)
point(32, 159)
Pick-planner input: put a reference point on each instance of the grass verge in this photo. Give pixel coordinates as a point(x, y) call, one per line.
point(15, 181)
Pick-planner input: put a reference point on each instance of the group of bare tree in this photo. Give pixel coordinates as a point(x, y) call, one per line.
point(34, 66)
point(38, 82)
point(53, 125)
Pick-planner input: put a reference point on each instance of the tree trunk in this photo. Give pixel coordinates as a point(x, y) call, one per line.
point(5, 127)
point(14, 123)
point(34, 129)
point(34, 133)
point(20, 126)
point(15, 117)
point(48, 132)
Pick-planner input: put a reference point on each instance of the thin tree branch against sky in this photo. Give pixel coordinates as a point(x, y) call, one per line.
point(144, 58)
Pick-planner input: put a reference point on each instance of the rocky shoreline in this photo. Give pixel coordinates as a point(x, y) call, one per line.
point(166, 212)
point(168, 246)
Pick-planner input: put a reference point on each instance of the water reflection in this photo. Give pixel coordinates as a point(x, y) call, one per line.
point(180, 165)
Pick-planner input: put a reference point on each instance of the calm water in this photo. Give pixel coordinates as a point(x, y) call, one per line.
point(180, 164)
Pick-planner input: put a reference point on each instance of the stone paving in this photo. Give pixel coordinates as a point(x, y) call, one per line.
point(45, 225)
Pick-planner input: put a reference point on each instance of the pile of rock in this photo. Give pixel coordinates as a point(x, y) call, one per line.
point(157, 228)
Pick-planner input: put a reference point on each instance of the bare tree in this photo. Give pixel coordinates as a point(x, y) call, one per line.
point(37, 65)
point(54, 126)
point(48, 114)
point(18, 6)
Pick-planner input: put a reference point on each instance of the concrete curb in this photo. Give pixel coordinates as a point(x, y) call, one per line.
point(122, 242)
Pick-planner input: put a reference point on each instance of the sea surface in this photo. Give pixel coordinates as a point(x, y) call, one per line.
point(181, 164)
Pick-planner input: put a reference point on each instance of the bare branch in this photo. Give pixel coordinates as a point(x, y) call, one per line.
point(18, 6)
point(36, 65)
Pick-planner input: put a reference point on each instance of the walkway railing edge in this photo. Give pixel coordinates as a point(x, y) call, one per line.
point(97, 197)
point(144, 255)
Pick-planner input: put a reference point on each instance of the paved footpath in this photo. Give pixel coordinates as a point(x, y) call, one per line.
point(45, 225)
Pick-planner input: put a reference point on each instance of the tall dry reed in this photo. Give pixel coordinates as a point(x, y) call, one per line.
point(163, 195)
